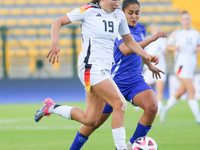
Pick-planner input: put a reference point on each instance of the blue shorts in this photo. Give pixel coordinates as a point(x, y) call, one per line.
point(129, 91)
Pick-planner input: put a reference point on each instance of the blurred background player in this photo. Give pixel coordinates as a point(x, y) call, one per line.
point(127, 73)
point(185, 42)
point(157, 48)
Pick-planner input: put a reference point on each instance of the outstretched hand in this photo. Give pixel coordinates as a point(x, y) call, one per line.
point(53, 52)
point(155, 71)
point(154, 59)
point(159, 34)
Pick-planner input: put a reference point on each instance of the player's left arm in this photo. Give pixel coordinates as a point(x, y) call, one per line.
point(147, 41)
point(155, 71)
point(135, 47)
point(126, 51)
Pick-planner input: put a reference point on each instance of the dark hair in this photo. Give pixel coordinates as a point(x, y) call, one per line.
point(184, 12)
point(94, 1)
point(126, 3)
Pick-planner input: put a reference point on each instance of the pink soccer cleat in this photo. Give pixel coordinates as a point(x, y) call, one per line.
point(44, 109)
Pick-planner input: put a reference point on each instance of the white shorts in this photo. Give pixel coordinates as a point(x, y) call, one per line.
point(92, 74)
point(185, 71)
point(148, 76)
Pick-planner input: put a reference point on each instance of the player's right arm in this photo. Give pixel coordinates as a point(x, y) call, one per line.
point(55, 28)
point(56, 25)
point(77, 14)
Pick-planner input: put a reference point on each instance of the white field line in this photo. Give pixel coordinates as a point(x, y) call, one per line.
point(9, 122)
point(37, 128)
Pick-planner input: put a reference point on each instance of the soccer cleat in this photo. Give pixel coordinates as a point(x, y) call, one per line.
point(163, 115)
point(44, 109)
point(129, 145)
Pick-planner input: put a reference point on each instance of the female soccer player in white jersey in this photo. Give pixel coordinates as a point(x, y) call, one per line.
point(101, 21)
point(157, 48)
point(184, 42)
point(127, 73)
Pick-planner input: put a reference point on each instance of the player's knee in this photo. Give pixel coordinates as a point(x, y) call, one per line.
point(178, 94)
point(97, 125)
point(151, 109)
point(119, 104)
point(122, 104)
point(91, 123)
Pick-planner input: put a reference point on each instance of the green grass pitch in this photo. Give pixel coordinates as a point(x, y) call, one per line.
point(18, 131)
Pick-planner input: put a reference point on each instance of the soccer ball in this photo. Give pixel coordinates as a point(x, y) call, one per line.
point(144, 143)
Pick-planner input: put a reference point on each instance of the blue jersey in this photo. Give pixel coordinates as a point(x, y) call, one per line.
point(128, 69)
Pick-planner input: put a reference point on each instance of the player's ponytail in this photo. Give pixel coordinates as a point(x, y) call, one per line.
point(94, 1)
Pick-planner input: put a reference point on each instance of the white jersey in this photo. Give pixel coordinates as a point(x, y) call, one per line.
point(157, 48)
point(187, 40)
point(99, 31)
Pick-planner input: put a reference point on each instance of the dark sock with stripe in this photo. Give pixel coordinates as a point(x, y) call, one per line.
point(78, 142)
point(140, 132)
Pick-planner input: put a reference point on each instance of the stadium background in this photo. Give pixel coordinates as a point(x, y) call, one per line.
point(26, 76)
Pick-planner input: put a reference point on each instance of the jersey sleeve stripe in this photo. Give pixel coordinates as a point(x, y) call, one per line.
point(84, 8)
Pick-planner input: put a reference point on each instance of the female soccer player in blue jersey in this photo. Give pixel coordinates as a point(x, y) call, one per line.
point(127, 73)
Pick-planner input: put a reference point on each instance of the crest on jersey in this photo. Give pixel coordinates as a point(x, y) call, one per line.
point(115, 16)
point(103, 73)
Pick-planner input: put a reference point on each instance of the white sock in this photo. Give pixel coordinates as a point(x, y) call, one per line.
point(119, 136)
point(60, 110)
point(170, 103)
point(160, 105)
point(194, 106)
